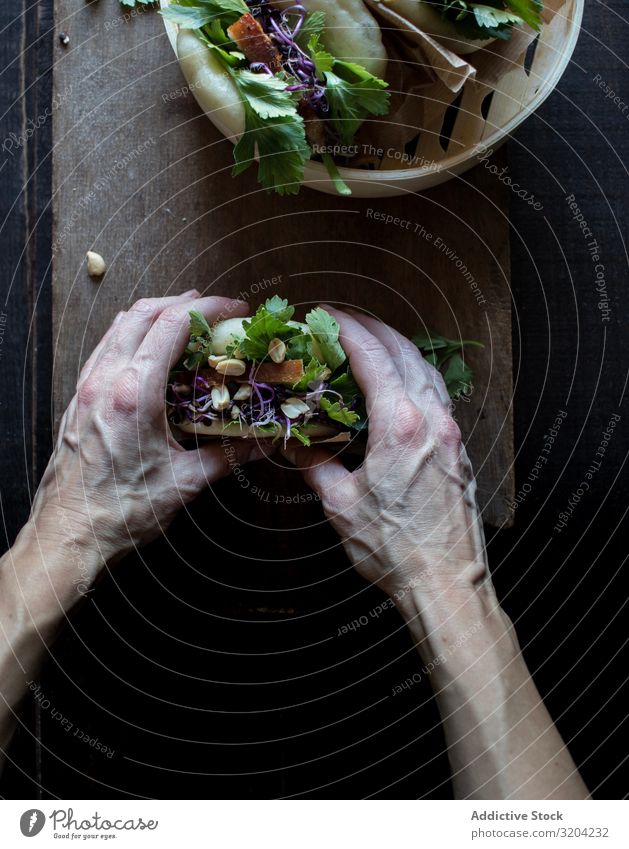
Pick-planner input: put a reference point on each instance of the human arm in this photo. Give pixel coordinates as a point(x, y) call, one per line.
point(408, 520)
point(114, 482)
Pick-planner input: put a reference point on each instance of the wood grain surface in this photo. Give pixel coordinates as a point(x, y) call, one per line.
point(142, 177)
point(565, 597)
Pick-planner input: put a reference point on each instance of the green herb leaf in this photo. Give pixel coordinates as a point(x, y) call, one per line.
point(323, 60)
point(325, 331)
point(458, 377)
point(351, 91)
point(339, 413)
point(300, 435)
point(528, 10)
point(198, 324)
point(281, 147)
point(492, 19)
point(299, 346)
point(199, 13)
point(312, 373)
point(312, 27)
point(339, 184)
point(279, 307)
point(265, 325)
point(446, 355)
point(266, 95)
point(199, 344)
point(273, 130)
point(346, 386)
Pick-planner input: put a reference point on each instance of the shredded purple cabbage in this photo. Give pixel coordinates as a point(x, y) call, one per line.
point(283, 26)
point(192, 401)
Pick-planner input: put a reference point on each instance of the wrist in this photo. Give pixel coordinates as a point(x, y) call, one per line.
point(454, 625)
point(53, 563)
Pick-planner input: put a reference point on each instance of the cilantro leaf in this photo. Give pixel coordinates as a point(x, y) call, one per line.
point(300, 435)
point(279, 307)
point(312, 373)
point(299, 346)
point(199, 344)
point(273, 130)
point(339, 413)
point(199, 13)
point(266, 95)
point(198, 324)
point(493, 19)
point(458, 377)
point(346, 386)
point(351, 91)
point(323, 60)
point(428, 339)
point(528, 10)
point(282, 149)
point(490, 19)
point(313, 26)
point(325, 331)
point(446, 356)
point(352, 97)
point(266, 324)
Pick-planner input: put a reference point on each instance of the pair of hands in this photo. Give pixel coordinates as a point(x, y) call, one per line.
point(117, 476)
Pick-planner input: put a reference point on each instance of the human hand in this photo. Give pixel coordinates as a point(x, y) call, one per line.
point(407, 516)
point(117, 476)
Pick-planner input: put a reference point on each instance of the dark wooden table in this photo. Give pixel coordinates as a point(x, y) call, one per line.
point(562, 585)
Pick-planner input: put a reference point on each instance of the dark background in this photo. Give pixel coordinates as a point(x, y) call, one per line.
point(564, 589)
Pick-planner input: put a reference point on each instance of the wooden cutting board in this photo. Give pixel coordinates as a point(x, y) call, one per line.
point(142, 177)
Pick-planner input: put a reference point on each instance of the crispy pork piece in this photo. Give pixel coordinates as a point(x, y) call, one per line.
point(255, 43)
point(288, 372)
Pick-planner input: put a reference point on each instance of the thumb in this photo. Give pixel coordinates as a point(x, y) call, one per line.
point(212, 461)
point(321, 469)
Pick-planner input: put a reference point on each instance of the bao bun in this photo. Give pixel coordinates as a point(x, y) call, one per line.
point(427, 18)
point(351, 33)
point(217, 428)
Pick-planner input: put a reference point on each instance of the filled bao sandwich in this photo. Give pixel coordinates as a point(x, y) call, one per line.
point(463, 26)
point(289, 81)
point(266, 376)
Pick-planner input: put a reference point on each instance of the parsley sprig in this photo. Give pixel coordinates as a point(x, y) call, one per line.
point(492, 19)
point(275, 132)
point(448, 356)
point(351, 91)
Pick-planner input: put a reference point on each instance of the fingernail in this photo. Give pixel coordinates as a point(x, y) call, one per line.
point(194, 292)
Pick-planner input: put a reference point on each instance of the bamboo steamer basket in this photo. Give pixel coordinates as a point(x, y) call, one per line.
point(470, 135)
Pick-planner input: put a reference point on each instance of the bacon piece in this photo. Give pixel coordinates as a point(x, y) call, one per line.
point(255, 43)
point(288, 372)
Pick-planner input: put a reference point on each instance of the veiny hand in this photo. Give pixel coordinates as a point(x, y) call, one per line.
point(117, 477)
point(407, 516)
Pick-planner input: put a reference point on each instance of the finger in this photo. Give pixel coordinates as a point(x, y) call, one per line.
point(195, 470)
point(421, 380)
point(323, 472)
point(164, 343)
point(95, 355)
point(374, 370)
point(136, 323)
point(120, 336)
